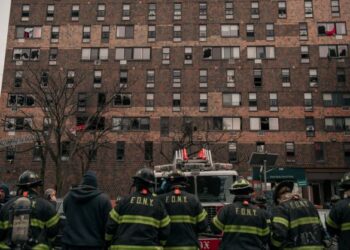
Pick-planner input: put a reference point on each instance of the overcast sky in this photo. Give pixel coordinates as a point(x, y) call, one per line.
point(4, 19)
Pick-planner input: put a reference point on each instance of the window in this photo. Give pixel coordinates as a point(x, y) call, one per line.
point(220, 53)
point(92, 153)
point(231, 30)
point(149, 101)
point(308, 8)
point(264, 123)
point(303, 31)
point(101, 12)
point(232, 152)
point(50, 12)
point(10, 153)
point(230, 78)
point(122, 100)
point(203, 102)
point(105, 30)
point(229, 10)
point(188, 55)
point(20, 100)
point(252, 102)
point(93, 54)
point(231, 99)
point(257, 76)
point(310, 126)
point(126, 12)
point(308, 104)
point(86, 34)
point(55, 34)
point(132, 53)
point(18, 78)
point(131, 123)
point(250, 30)
point(333, 51)
point(151, 33)
point(330, 29)
point(148, 150)
point(231, 123)
point(44, 79)
point(26, 54)
point(319, 151)
point(273, 102)
point(47, 124)
point(82, 100)
point(203, 11)
point(28, 32)
point(285, 75)
point(270, 32)
point(97, 78)
point(18, 123)
point(152, 11)
point(341, 76)
point(177, 11)
point(335, 8)
point(202, 32)
point(336, 99)
point(70, 78)
point(177, 33)
point(337, 123)
point(75, 12)
point(313, 77)
point(25, 12)
point(164, 126)
point(101, 100)
point(304, 54)
point(176, 78)
point(203, 78)
point(37, 152)
point(123, 78)
point(290, 149)
point(346, 147)
point(165, 55)
point(150, 78)
point(260, 147)
point(266, 52)
point(176, 101)
point(53, 54)
point(254, 12)
point(120, 150)
point(125, 32)
point(282, 9)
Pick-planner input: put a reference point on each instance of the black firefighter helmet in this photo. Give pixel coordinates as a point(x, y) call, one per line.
point(29, 179)
point(345, 181)
point(177, 177)
point(289, 184)
point(145, 176)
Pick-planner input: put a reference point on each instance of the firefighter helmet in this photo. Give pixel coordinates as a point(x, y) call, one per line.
point(29, 179)
point(277, 192)
point(345, 181)
point(241, 186)
point(144, 175)
point(260, 200)
point(176, 176)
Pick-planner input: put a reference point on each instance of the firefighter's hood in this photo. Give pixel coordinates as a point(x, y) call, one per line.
point(84, 193)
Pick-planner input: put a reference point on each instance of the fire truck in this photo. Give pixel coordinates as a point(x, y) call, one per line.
point(209, 181)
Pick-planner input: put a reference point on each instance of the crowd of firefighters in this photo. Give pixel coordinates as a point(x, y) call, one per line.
point(172, 220)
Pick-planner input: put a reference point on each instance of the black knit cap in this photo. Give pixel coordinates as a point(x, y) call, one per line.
point(90, 179)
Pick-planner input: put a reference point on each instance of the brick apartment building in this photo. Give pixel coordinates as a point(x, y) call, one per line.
point(243, 76)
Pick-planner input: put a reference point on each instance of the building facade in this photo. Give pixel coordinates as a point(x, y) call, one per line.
point(235, 76)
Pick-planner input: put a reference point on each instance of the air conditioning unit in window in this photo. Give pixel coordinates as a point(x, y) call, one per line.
point(97, 62)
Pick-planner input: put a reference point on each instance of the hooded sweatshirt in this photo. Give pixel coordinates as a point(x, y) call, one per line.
point(86, 209)
point(5, 189)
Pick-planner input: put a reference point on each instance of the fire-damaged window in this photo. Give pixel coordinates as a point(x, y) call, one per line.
point(122, 99)
point(18, 123)
point(20, 100)
point(10, 153)
point(26, 54)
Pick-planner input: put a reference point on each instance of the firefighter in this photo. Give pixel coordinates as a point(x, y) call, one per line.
point(4, 194)
point(187, 217)
point(28, 221)
point(295, 223)
point(139, 221)
point(338, 220)
point(244, 225)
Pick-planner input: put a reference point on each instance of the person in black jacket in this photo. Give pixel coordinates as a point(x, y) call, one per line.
point(338, 220)
point(139, 221)
point(187, 217)
point(244, 225)
point(295, 223)
point(86, 209)
point(4, 194)
point(37, 222)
